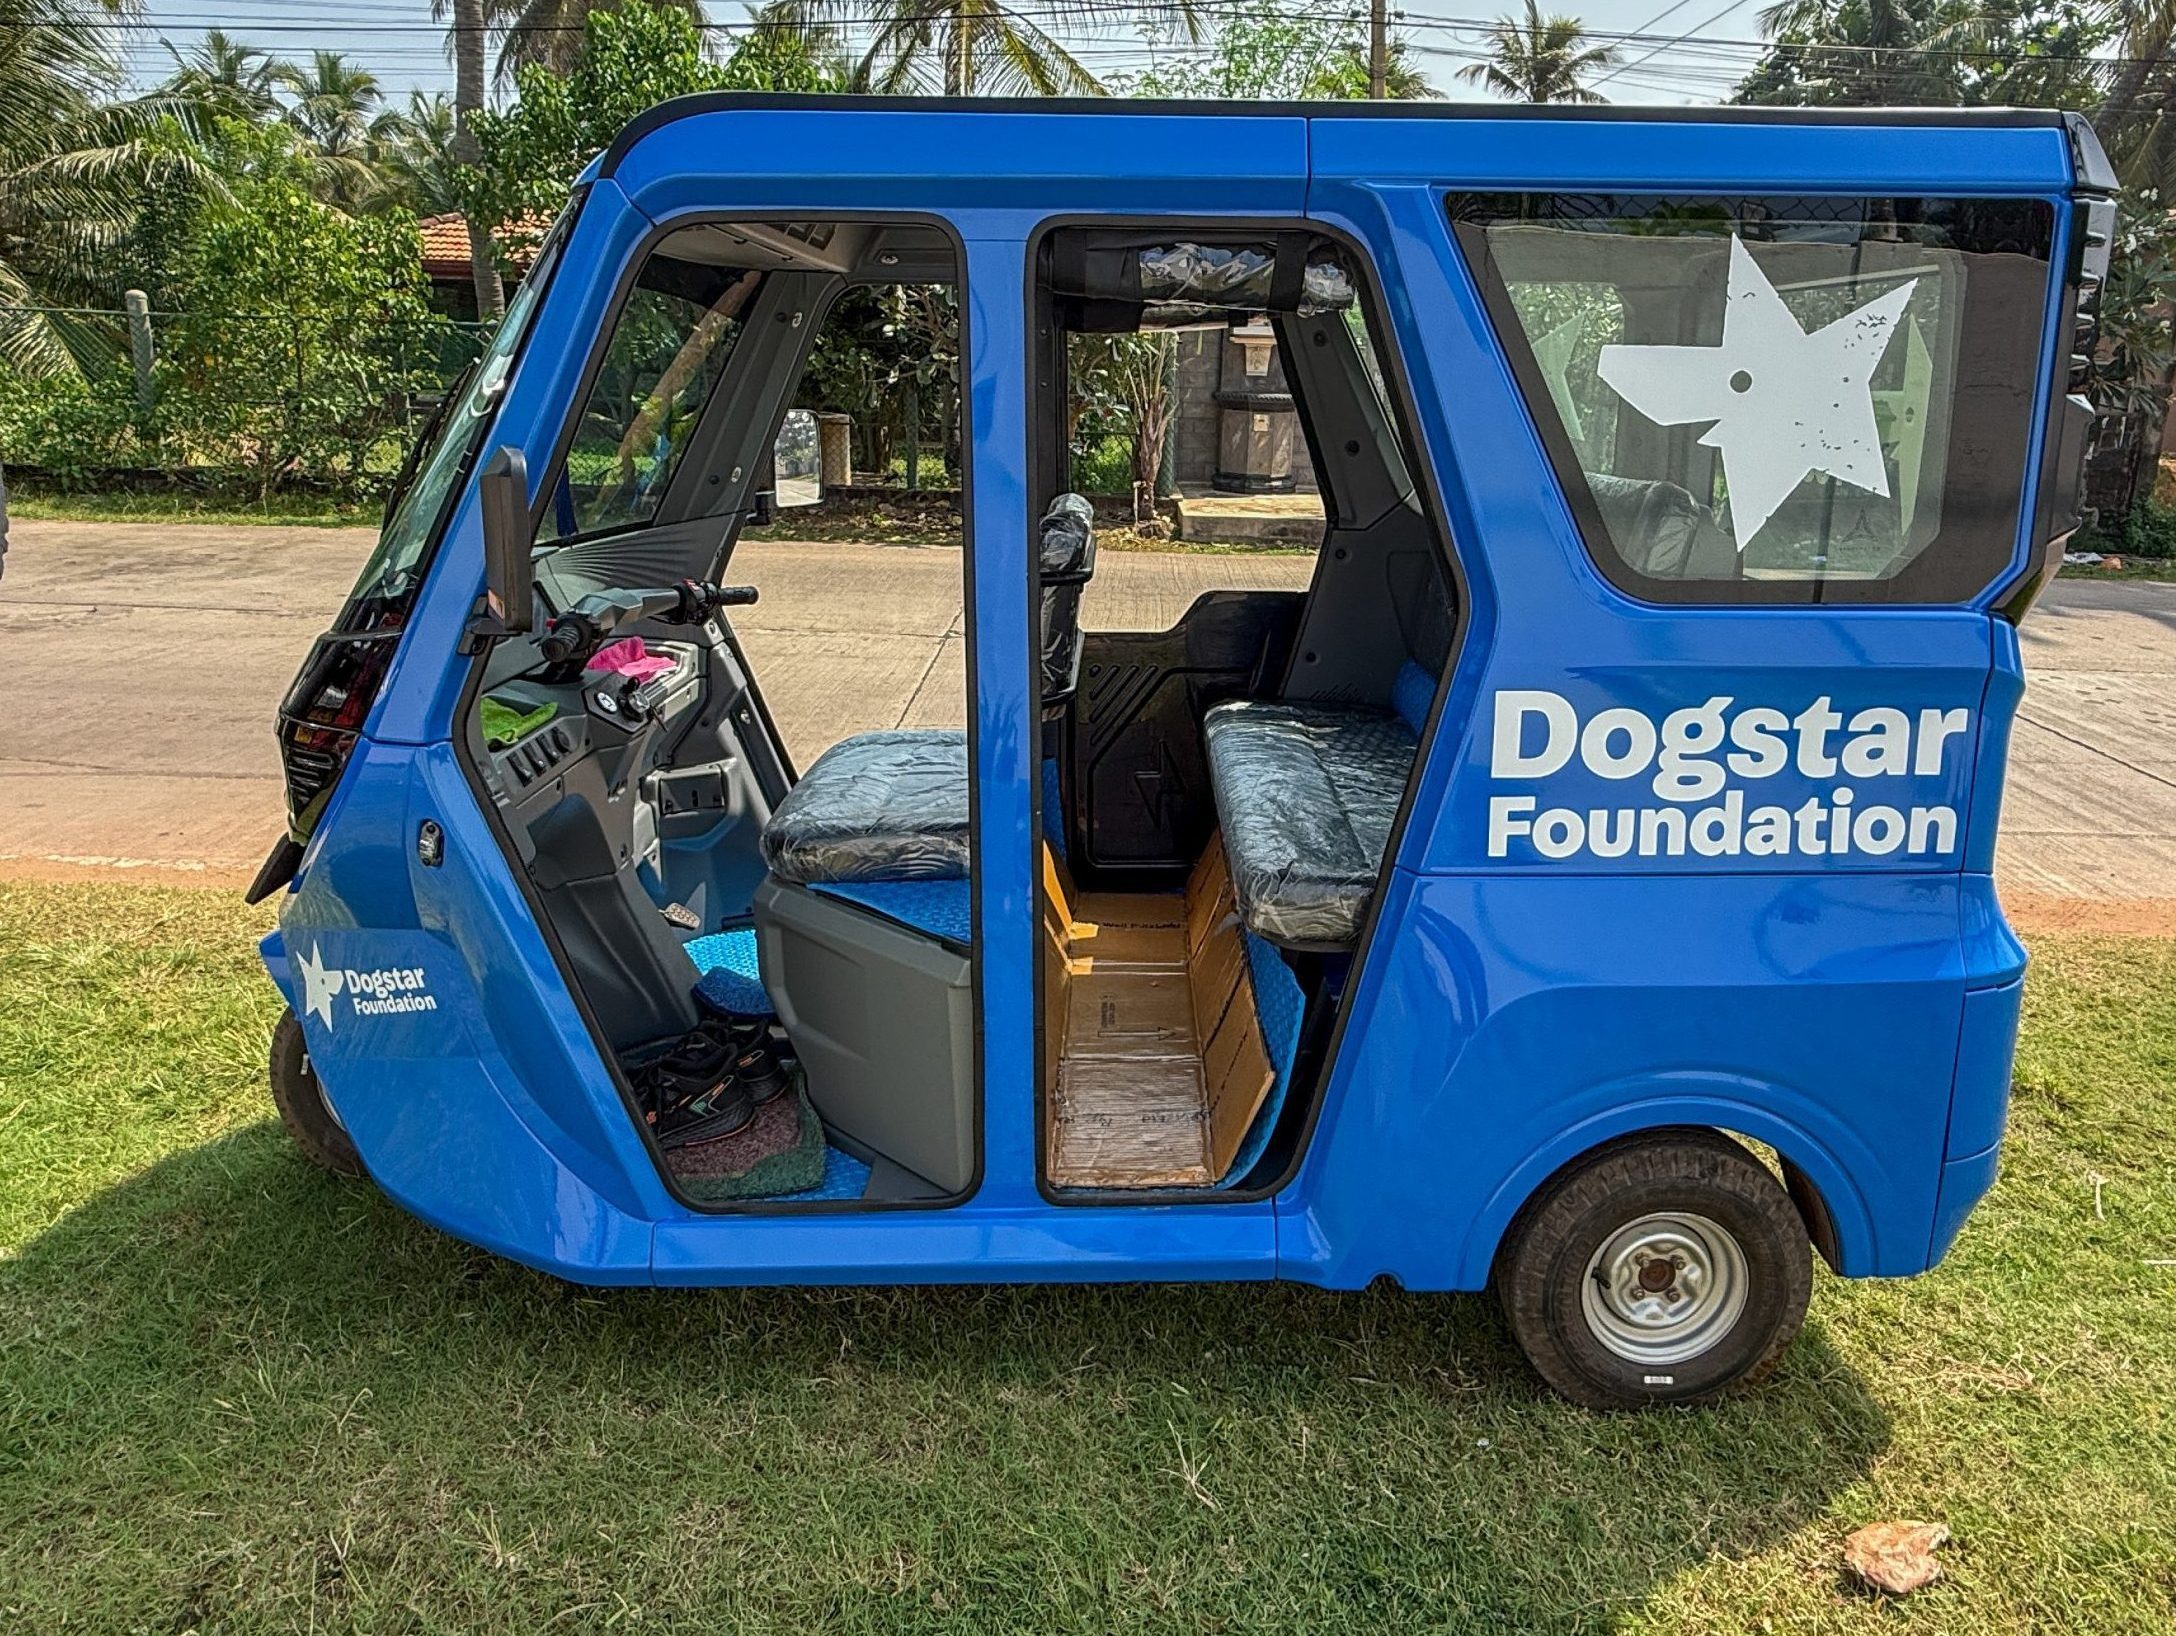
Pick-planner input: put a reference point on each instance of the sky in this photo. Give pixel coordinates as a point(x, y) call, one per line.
point(1690, 51)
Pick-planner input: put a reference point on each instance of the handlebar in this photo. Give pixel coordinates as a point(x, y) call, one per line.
point(591, 622)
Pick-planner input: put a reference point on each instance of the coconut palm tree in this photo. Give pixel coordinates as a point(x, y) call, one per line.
point(977, 47)
point(415, 148)
point(334, 107)
point(74, 169)
point(471, 20)
point(550, 31)
point(1540, 59)
point(225, 77)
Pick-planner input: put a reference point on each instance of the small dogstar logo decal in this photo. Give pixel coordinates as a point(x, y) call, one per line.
point(1785, 404)
point(320, 985)
point(379, 992)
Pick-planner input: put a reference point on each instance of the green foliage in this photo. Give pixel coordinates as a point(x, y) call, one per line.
point(309, 331)
point(1102, 465)
point(632, 59)
point(1315, 51)
point(71, 427)
point(1922, 53)
point(2148, 531)
point(882, 345)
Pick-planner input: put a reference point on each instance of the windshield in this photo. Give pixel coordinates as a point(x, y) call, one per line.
point(389, 580)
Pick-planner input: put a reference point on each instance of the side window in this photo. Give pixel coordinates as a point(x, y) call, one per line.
point(674, 336)
point(1775, 399)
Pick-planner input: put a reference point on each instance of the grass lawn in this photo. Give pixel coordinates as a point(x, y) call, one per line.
point(239, 1395)
point(180, 506)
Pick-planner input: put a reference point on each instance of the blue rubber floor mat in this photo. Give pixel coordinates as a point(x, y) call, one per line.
point(732, 980)
point(845, 1177)
point(935, 908)
point(1280, 1005)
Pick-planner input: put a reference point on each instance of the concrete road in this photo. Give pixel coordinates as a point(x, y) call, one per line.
point(140, 665)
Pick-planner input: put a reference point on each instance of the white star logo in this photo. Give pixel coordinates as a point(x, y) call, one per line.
point(320, 985)
point(1785, 403)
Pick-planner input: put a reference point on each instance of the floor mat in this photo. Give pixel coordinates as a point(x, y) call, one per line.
point(780, 1152)
point(845, 1177)
point(732, 981)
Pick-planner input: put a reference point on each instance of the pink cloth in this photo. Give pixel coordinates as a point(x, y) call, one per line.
point(628, 657)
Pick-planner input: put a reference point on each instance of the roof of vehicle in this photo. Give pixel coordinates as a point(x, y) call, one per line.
point(2090, 159)
point(1265, 144)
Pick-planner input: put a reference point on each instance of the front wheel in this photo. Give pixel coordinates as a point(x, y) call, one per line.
point(1667, 1268)
point(300, 1098)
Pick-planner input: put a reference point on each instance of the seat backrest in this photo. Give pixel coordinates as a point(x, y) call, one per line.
point(1067, 561)
point(1662, 530)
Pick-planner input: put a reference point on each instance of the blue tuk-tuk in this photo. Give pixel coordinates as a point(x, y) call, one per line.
point(1577, 882)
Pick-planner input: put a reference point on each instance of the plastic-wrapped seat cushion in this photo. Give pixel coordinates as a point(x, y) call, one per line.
point(875, 807)
point(1307, 795)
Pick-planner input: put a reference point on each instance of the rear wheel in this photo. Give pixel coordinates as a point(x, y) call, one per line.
point(1667, 1268)
point(300, 1098)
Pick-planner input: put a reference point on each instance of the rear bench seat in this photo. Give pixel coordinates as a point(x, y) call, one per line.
point(1307, 794)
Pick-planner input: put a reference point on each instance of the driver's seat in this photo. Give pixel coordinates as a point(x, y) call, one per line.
point(888, 806)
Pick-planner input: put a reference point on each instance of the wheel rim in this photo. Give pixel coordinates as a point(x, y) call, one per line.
point(1664, 1288)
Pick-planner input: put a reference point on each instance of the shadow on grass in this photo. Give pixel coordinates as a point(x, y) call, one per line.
point(230, 1353)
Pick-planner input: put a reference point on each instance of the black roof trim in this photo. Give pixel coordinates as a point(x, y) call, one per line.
point(2088, 158)
point(717, 102)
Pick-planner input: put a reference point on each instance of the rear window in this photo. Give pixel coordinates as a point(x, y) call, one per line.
point(1776, 399)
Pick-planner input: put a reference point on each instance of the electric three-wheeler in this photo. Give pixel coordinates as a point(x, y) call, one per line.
point(1575, 879)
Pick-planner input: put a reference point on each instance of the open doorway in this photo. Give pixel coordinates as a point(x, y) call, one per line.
point(752, 853)
point(1221, 796)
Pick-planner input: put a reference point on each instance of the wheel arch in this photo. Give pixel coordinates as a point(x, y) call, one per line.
point(1817, 1170)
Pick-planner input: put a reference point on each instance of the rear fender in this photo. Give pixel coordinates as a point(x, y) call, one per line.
point(1827, 1161)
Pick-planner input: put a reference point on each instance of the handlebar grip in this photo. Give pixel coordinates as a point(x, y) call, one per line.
point(560, 642)
point(737, 596)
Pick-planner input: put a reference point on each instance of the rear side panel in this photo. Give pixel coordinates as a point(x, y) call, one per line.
point(1554, 966)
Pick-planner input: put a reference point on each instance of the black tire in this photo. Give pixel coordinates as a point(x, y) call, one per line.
point(301, 1100)
point(1678, 1216)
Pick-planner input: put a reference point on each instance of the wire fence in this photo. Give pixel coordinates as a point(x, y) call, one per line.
point(267, 400)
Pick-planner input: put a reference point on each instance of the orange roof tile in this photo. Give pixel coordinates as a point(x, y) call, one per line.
point(445, 244)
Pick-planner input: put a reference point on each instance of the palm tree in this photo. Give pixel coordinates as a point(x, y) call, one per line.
point(74, 169)
point(782, 51)
point(225, 77)
point(550, 32)
point(1540, 59)
point(416, 153)
point(472, 20)
point(964, 47)
point(335, 109)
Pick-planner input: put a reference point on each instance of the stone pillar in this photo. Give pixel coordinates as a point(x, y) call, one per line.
point(835, 446)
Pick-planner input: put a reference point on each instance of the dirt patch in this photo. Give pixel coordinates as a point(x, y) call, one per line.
point(140, 871)
point(2030, 912)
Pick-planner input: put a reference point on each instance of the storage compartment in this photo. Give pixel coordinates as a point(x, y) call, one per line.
point(884, 1023)
point(1154, 1064)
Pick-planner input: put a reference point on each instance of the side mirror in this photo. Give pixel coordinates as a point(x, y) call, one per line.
point(797, 466)
point(509, 578)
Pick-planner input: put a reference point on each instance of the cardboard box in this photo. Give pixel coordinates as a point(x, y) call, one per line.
point(1154, 1062)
